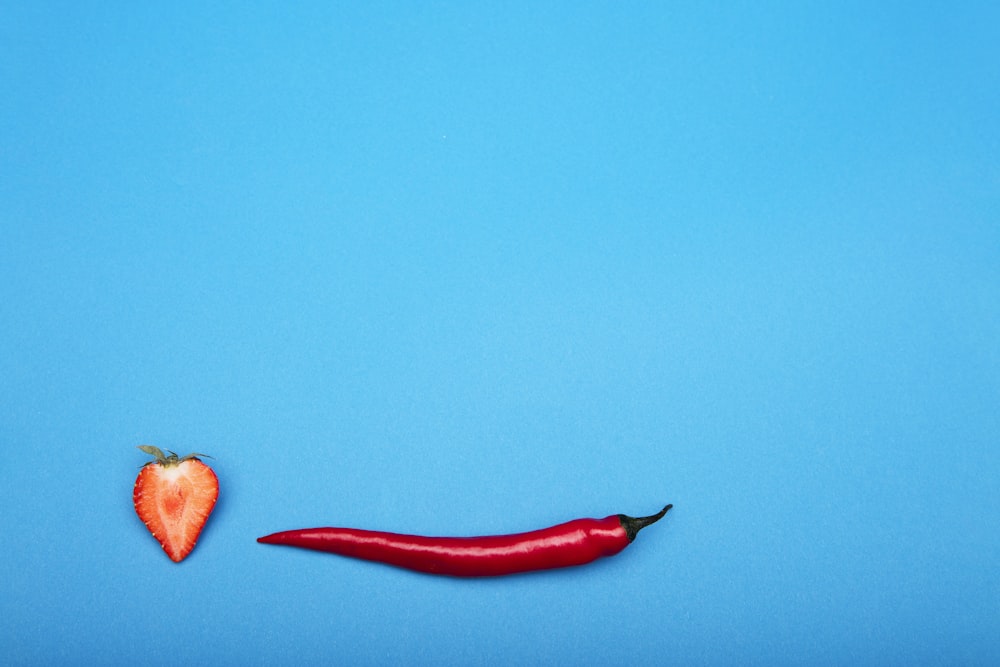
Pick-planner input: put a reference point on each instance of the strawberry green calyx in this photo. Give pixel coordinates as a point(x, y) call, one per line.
point(168, 460)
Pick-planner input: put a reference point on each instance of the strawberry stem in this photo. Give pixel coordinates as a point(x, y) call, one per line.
point(172, 459)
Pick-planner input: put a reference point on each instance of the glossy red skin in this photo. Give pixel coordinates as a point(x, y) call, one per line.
point(567, 544)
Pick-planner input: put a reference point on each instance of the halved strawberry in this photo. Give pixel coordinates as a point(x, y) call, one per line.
point(173, 496)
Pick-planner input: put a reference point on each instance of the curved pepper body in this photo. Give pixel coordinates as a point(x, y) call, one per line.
point(572, 543)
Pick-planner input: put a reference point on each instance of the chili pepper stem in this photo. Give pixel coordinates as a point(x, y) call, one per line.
point(633, 525)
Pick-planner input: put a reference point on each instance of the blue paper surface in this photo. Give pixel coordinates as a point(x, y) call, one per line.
point(456, 269)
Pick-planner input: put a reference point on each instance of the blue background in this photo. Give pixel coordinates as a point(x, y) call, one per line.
point(457, 268)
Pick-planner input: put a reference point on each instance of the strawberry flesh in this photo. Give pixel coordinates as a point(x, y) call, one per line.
point(174, 499)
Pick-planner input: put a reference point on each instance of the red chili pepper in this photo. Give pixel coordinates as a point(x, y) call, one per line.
point(571, 543)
